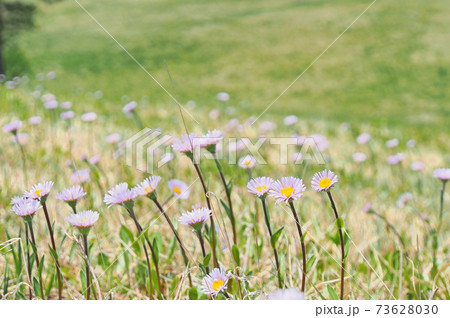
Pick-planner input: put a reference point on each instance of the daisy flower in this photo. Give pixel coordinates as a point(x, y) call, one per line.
point(165, 158)
point(94, 160)
point(223, 97)
point(121, 195)
point(21, 138)
point(289, 188)
point(80, 176)
point(35, 120)
point(260, 186)
point(411, 143)
point(362, 139)
point(67, 115)
point(128, 108)
point(215, 282)
point(368, 207)
point(71, 195)
point(392, 143)
point(214, 114)
point(196, 218)
point(18, 199)
point(26, 207)
point(51, 104)
point(113, 138)
point(179, 189)
point(321, 142)
point(404, 199)
point(232, 123)
point(323, 181)
point(290, 120)
point(286, 294)
point(66, 105)
point(148, 186)
point(359, 157)
point(442, 174)
point(209, 140)
point(83, 220)
point(89, 117)
point(417, 166)
point(39, 191)
point(185, 144)
point(247, 162)
point(266, 126)
point(395, 159)
point(12, 127)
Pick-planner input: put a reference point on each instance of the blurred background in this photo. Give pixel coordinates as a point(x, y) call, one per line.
point(391, 68)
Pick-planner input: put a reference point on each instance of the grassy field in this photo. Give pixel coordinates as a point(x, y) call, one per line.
point(386, 76)
point(389, 68)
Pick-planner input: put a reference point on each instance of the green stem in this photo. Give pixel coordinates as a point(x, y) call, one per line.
point(30, 225)
point(88, 274)
point(302, 243)
point(28, 263)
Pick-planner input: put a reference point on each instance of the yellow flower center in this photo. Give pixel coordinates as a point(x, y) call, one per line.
point(261, 188)
point(38, 193)
point(287, 192)
point(148, 189)
point(217, 284)
point(247, 162)
point(83, 220)
point(324, 183)
point(176, 190)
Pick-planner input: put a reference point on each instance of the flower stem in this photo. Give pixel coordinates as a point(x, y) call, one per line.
point(33, 240)
point(24, 159)
point(208, 202)
point(227, 191)
point(202, 244)
point(180, 243)
point(302, 243)
point(147, 258)
point(438, 228)
point(341, 237)
point(28, 263)
point(88, 274)
point(275, 253)
point(58, 269)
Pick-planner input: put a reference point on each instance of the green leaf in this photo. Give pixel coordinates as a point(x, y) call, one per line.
point(53, 253)
point(50, 285)
point(37, 290)
point(236, 256)
point(206, 260)
point(230, 185)
point(332, 293)
point(227, 209)
point(193, 294)
point(275, 237)
point(303, 237)
point(339, 223)
point(310, 263)
point(41, 266)
point(103, 260)
point(156, 249)
point(83, 280)
point(202, 267)
point(125, 234)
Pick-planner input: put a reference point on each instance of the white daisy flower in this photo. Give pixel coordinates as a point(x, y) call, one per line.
point(66, 105)
point(80, 176)
point(288, 189)
point(83, 220)
point(215, 282)
point(320, 141)
point(39, 191)
point(120, 194)
point(210, 139)
point(323, 181)
point(179, 189)
point(266, 126)
point(362, 139)
point(148, 186)
point(442, 174)
point(404, 199)
point(359, 157)
point(392, 143)
point(247, 162)
point(185, 144)
point(67, 115)
point(223, 97)
point(71, 195)
point(417, 166)
point(260, 186)
point(290, 120)
point(113, 138)
point(411, 143)
point(21, 138)
point(89, 117)
point(286, 294)
point(128, 108)
point(51, 104)
point(196, 218)
point(35, 120)
point(395, 159)
point(26, 207)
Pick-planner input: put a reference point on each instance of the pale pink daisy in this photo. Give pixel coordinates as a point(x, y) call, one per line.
point(359, 157)
point(120, 195)
point(395, 159)
point(266, 126)
point(290, 120)
point(80, 176)
point(197, 206)
point(12, 127)
point(442, 174)
point(18, 199)
point(83, 220)
point(165, 158)
point(320, 141)
point(35, 120)
point(148, 186)
point(51, 104)
point(215, 282)
point(71, 195)
point(196, 218)
point(404, 199)
point(232, 123)
point(39, 191)
point(186, 143)
point(210, 139)
point(392, 143)
point(367, 207)
point(48, 97)
point(214, 114)
point(260, 186)
point(179, 189)
point(286, 294)
point(67, 115)
point(89, 117)
point(297, 157)
point(66, 105)
point(418, 166)
point(26, 207)
point(113, 138)
point(247, 162)
point(223, 97)
point(323, 181)
point(128, 108)
point(362, 139)
point(288, 189)
point(21, 138)
point(94, 160)
point(411, 143)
